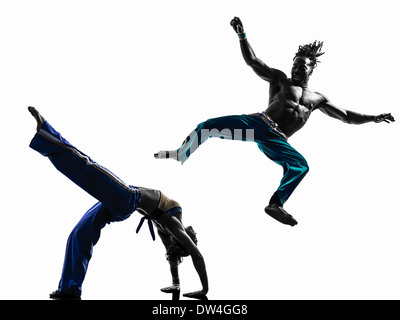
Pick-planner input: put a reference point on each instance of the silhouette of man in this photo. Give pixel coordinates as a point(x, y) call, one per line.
point(291, 103)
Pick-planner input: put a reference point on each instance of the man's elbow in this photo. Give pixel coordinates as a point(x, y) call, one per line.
point(251, 62)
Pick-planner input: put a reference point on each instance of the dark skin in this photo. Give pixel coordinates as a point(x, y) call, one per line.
point(174, 226)
point(149, 202)
point(174, 268)
point(290, 100)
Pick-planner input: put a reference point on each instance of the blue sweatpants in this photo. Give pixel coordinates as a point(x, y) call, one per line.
point(269, 141)
point(116, 202)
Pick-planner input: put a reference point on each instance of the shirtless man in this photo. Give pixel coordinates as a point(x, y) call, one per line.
point(290, 105)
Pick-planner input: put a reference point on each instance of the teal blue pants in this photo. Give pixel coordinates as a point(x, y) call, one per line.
point(251, 128)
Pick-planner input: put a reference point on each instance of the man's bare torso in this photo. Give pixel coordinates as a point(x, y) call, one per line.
point(290, 106)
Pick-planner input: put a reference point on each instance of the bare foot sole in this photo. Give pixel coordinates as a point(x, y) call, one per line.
point(166, 155)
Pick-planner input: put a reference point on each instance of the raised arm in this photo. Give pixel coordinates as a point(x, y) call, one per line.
point(352, 117)
point(259, 67)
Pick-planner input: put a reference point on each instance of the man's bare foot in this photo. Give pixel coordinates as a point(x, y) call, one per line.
point(278, 213)
point(166, 155)
point(38, 117)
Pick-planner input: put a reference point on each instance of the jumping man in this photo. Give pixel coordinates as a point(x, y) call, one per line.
point(117, 201)
point(291, 103)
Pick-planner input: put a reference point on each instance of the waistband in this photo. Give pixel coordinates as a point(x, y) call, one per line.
point(271, 123)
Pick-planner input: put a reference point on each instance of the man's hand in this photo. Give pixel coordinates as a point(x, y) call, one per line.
point(387, 117)
point(237, 25)
point(201, 295)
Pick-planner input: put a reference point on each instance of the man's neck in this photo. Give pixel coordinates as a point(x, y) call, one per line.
point(301, 85)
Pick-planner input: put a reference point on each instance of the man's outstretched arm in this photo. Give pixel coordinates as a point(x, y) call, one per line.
point(259, 67)
point(352, 117)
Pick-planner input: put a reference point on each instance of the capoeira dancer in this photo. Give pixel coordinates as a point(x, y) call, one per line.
point(291, 103)
point(117, 201)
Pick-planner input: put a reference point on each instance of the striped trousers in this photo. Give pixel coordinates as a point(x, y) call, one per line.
point(116, 202)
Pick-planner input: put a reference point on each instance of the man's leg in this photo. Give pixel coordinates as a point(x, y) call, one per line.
point(228, 127)
point(99, 182)
point(295, 168)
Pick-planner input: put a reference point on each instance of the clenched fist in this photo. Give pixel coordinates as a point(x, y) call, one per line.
point(237, 25)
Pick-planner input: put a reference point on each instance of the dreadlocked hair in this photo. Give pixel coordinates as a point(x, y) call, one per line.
point(311, 51)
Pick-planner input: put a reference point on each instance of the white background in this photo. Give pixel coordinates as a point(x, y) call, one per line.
point(122, 80)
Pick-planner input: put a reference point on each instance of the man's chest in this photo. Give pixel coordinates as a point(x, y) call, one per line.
point(301, 96)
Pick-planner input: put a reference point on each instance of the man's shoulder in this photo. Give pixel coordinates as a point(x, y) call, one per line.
point(280, 76)
point(319, 99)
point(321, 95)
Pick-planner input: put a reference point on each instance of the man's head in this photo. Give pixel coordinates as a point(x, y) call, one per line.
point(305, 61)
